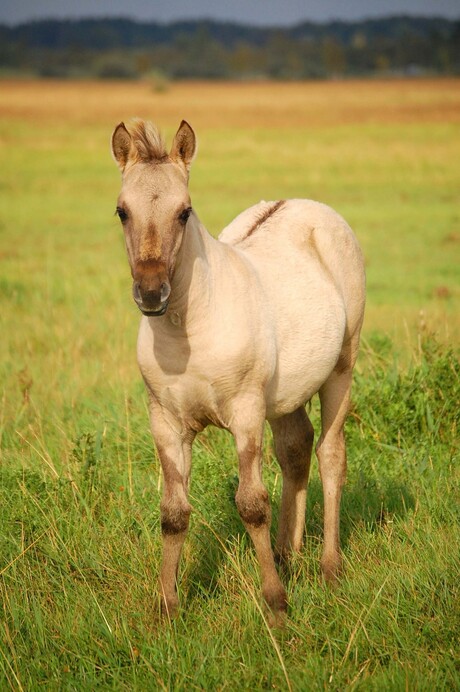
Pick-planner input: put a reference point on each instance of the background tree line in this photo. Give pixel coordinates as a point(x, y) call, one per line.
point(122, 48)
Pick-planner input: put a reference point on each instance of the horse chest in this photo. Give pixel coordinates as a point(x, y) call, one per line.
point(196, 381)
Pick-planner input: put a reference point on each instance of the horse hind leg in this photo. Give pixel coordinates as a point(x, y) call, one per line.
point(293, 441)
point(335, 397)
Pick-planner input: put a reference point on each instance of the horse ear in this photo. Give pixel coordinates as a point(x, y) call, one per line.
point(184, 145)
point(122, 145)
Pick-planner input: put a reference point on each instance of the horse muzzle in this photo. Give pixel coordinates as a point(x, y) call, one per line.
point(152, 302)
point(151, 287)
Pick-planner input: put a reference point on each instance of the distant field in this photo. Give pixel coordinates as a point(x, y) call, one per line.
point(384, 154)
point(79, 542)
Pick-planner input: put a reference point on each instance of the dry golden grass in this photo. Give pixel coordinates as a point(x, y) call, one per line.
point(239, 105)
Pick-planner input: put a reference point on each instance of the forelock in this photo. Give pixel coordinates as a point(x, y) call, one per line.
point(148, 142)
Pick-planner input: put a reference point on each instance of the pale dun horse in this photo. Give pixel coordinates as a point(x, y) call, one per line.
point(236, 331)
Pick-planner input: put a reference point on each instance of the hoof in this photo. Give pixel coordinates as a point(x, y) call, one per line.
point(169, 608)
point(276, 600)
point(332, 569)
point(277, 620)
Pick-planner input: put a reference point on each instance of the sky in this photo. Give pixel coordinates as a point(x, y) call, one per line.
point(256, 12)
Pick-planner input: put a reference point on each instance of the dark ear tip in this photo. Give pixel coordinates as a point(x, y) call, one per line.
point(120, 126)
point(184, 123)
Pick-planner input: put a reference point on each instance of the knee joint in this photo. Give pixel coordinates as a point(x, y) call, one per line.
point(174, 517)
point(253, 507)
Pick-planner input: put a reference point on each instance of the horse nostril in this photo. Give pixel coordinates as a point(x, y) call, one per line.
point(137, 292)
point(165, 290)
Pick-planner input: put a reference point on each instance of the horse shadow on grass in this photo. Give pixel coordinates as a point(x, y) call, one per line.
point(366, 506)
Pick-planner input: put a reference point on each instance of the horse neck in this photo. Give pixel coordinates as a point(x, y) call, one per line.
point(193, 283)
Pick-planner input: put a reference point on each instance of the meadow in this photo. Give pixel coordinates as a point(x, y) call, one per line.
point(80, 481)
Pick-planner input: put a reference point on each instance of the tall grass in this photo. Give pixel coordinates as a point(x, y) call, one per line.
point(80, 548)
point(80, 482)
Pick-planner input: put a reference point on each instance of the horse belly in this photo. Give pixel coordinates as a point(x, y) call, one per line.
point(309, 342)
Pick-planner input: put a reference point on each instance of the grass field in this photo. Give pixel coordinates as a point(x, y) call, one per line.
point(80, 483)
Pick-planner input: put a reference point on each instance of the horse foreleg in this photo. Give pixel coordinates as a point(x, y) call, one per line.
point(334, 397)
point(175, 456)
point(254, 509)
point(293, 440)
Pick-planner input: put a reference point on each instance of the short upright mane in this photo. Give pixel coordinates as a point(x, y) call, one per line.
point(148, 141)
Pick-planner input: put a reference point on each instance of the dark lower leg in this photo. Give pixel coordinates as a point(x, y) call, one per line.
point(293, 439)
point(175, 513)
point(254, 508)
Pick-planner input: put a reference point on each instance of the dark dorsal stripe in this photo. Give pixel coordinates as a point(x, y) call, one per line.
point(266, 214)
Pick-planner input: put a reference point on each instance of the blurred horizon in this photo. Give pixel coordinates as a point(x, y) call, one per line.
point(248, 12)
point(126, 49)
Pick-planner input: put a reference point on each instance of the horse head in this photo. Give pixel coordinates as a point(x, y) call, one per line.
point(153, 206)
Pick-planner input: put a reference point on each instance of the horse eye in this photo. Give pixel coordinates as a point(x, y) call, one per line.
point(122, 215)
point(184, 215)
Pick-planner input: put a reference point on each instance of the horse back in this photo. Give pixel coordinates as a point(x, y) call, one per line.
point(302, 241)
